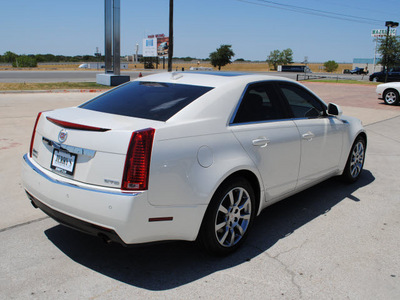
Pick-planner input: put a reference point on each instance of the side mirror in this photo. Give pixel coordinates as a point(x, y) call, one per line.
point(334, 110)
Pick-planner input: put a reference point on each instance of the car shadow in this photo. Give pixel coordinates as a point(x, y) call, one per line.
point(169, 265)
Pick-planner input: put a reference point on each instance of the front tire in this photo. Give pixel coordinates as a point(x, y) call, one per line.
point(228, 218)
point(391, 97)
point(355, 162)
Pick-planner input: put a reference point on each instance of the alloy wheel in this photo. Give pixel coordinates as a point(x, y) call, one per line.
point(357, 159)
point(233, 217)
point(390, 97)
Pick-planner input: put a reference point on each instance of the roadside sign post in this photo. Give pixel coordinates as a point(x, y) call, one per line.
point(112, 45)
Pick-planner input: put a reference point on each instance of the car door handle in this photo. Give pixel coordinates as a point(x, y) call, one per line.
point(308, 136)
point(261, 142)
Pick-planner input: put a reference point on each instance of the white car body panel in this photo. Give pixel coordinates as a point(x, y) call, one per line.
point(279, 175)
point(193, 153)
point(380, 88)
point(321, 148)
point(126, 213)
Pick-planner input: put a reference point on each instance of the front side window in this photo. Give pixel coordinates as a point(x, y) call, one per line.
point(148, 100)
point(259, 103)
point(302, 103)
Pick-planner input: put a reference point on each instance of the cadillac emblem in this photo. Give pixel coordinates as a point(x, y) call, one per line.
point(62, 136)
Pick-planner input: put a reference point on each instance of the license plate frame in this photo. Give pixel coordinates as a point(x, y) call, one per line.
point(63, 161)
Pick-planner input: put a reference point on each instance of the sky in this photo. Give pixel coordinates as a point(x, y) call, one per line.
point(321, 30)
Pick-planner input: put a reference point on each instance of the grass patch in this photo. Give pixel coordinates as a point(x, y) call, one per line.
point(349, 81)
point(51, 86)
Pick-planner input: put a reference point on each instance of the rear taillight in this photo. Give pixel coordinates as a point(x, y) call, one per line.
point(33, 134)
point(137, 164)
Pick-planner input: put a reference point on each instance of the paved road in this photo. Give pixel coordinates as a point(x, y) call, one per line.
point(333, 241)
point(90, 76)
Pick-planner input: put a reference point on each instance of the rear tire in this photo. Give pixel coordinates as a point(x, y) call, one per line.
point(355, 162)
point(391, 97)
point(228, 218)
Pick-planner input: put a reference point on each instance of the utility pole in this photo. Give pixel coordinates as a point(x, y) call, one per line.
point(171, 34)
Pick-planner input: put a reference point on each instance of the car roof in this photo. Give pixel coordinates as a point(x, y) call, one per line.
point(211, 79)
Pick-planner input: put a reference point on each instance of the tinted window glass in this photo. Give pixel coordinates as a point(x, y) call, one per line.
point(301, 102)
point(260, 103)
point(147, 100)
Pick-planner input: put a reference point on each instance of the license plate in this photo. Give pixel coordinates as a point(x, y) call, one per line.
point(63, 162)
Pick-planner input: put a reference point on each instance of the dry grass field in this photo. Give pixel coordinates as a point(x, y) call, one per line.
point(261, 67)
point(29, 86)
point(240, 67)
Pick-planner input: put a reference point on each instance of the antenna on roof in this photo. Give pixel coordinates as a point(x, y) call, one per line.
point(176, 75)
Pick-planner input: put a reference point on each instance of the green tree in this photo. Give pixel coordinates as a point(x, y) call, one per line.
point(274, 58)
point(287, 56)
point(25, 61)
point(277, 57)
point(222, 56)
point(9, 57)
point(331, 66)
point(389, 49)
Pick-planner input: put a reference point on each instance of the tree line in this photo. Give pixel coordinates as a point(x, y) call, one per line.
point(389, 49)
point(31, 60)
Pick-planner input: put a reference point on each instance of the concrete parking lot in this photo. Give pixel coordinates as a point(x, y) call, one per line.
point(333, 241)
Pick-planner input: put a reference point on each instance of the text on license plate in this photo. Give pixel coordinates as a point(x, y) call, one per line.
point(63, 162)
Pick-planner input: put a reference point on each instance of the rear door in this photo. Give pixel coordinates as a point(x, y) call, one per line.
point(271, 141)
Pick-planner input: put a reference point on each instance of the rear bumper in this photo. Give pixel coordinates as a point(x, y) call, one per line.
point(126, 218)
point(105, 233)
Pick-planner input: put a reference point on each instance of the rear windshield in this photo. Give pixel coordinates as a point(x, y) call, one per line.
point(148, 100)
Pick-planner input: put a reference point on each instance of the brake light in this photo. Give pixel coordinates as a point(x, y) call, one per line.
point(137, 163)
point(33, 134)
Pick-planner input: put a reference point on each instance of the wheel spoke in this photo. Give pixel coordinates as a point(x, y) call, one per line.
point(245, 204)
point(223, 238)
point(220, 225)
point(239, 197)
point(240, 229)
point(231, 198)
point(245, 216)
point(222, 209)
point(232, 241)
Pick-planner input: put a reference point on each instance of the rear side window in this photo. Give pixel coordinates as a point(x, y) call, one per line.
point(260, 103)
point(148, 100)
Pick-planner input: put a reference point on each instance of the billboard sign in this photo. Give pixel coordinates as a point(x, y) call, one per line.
point(162, 46)
point(383, 32)
point(159, 45)
point(150, 47)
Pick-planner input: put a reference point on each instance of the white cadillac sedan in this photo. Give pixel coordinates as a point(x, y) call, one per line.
point(186, 156)
point(389, 92)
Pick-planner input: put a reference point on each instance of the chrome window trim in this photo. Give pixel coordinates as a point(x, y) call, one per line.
point(238, 105)
point(70, 185)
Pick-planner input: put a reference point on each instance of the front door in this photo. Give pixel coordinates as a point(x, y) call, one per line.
point(271, 140)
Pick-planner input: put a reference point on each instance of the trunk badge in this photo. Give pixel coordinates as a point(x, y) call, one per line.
point(62, 136)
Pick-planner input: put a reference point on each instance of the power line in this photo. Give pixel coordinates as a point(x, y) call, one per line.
point(315, 12)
